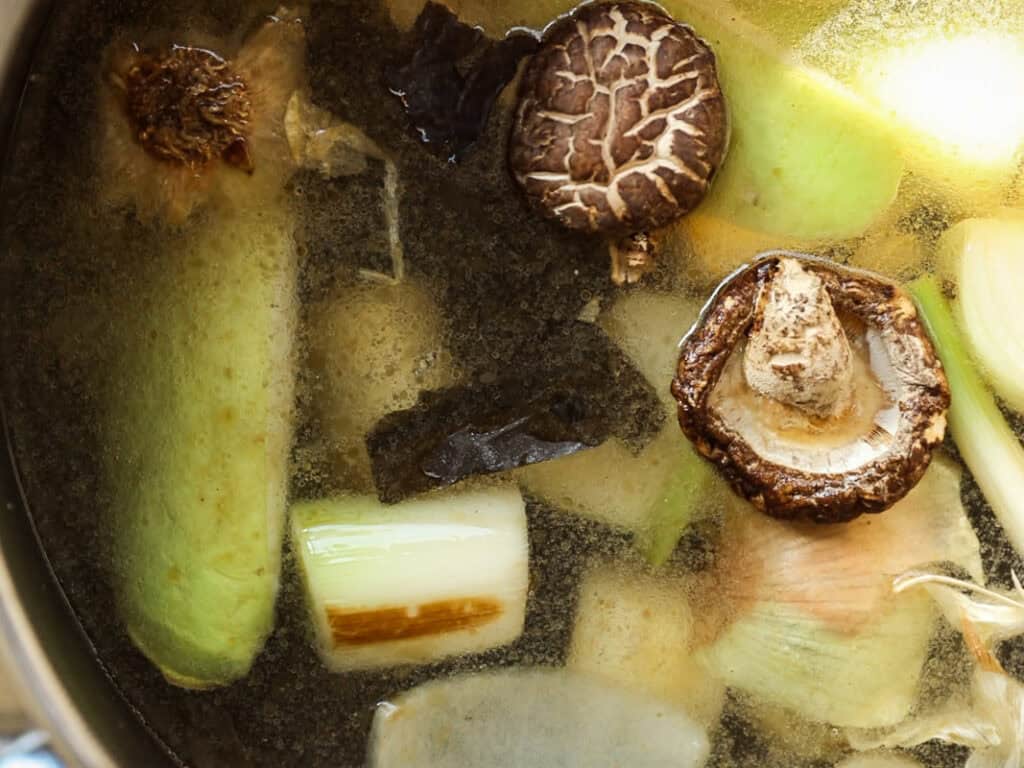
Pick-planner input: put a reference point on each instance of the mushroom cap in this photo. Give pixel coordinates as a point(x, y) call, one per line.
point(621, 123)
point(842, 476)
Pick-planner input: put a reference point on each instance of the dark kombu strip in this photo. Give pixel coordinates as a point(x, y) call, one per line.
point(449, 86)
point(527, 416)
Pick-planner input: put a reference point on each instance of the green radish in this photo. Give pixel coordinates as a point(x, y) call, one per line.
point(198, 430)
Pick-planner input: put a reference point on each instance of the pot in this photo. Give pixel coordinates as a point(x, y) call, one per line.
point(59, 676)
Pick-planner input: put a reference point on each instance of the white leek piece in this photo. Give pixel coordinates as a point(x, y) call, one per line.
point(415, 582)
point(532, 719)
point(989, 447)
point(985, 260)
point(637, 630)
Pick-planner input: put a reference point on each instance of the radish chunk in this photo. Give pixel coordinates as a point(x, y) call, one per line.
point(532, 719)
point(415, 582)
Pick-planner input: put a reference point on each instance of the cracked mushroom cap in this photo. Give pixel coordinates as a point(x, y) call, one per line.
point(802, 422)
point(621, 123)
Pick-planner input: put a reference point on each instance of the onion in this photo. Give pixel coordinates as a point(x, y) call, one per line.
point(985, 260)
point(807, 618)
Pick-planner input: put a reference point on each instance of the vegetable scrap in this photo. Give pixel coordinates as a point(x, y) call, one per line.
point(449, 87)
point(593, 392)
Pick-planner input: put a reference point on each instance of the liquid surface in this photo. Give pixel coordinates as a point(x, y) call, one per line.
point(509, 287)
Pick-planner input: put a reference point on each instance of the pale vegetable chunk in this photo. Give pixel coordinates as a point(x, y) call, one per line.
point(657, 493)
point(375, 346)
point(532, 719)
point(809, 619)
point(636, 631)
point(985, 260)
point(198, 431)
point(415, 582)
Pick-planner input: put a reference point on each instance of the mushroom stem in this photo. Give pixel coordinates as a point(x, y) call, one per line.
point(797, 352)
point(632, 258)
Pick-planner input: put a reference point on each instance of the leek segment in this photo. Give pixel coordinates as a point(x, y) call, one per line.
point(983, 258)
point(198, 433)
point(414, 582)
point(989, 447)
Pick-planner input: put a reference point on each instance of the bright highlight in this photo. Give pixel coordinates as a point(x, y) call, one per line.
point(966, 92)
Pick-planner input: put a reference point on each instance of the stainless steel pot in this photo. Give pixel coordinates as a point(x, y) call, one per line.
point(50, 656)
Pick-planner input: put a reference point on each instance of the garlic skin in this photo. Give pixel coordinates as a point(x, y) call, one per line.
point(797, 351)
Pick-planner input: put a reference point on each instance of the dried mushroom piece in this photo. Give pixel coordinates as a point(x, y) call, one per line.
point(814, 388)
point(621, 125)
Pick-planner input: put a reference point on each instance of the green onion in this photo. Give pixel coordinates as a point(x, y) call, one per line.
point(989, 447)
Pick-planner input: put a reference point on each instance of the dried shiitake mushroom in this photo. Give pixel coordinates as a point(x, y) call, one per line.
point(813, 387)
point(620, 127)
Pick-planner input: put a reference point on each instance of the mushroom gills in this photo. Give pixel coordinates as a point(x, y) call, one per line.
point(794, 447)
point(789, 435)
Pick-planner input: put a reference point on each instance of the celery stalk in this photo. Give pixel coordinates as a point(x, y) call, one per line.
point(989, 447)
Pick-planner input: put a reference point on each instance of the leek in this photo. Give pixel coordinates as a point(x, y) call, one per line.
point(532, 719)
point(415, 582)
point(987, 444)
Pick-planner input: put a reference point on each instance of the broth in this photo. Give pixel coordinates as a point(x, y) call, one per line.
point(510, 287)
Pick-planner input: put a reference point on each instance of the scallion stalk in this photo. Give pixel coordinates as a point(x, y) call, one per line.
point(989, 447)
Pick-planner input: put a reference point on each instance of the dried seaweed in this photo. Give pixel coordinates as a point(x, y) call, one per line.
point(523, 418)
point(449, 86)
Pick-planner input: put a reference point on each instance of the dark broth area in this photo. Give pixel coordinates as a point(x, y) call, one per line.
point(509, 285)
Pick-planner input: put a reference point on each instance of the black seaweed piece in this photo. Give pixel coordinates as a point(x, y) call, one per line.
point(591, 391)
point(450, 85)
